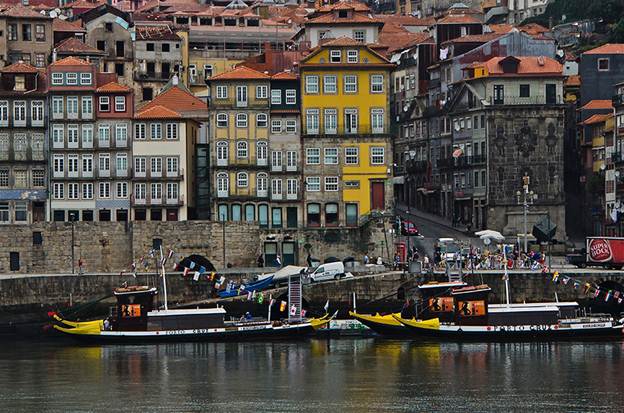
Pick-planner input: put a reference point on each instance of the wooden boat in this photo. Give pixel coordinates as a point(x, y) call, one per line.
point(246, 288)
point(464, 314)
point(385, 325)
point(136, 321)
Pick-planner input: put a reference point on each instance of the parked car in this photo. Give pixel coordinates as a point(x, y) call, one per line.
point(408, 228)
point(329, 271)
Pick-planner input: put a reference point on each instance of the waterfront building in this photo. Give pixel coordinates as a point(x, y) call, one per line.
point(347, 145)
point(23, 154)
point(164, 146)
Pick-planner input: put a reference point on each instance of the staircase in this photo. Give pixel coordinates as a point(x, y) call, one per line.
point(294, 297)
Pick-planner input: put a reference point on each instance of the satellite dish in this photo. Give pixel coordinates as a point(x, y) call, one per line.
point(405, 108)
point(487, 241)
point(53, 14)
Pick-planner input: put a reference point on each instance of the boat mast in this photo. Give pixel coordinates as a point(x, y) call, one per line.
point(506, 276)
point(164, 277)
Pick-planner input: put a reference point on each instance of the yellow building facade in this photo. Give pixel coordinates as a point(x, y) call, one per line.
point(346, 133)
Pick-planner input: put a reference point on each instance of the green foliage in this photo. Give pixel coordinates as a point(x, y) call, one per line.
point(610, 11)
point(617, 32)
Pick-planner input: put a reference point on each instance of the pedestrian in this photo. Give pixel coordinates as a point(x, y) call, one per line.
point(397, 261)
point(379, 261)
point(260, 261)
point(309, 260)
point(426, 262)
point(278, 260)
point(366, 259)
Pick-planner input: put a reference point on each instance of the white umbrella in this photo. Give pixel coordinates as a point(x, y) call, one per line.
point(490, 235)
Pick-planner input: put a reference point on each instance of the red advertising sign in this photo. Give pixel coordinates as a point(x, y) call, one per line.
point(600, 250)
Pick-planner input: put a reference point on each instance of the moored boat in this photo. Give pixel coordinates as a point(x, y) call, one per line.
point(234, 291)
point(137, 321)
point(385, 325)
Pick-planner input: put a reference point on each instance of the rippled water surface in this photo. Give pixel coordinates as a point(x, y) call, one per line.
point(317, 375)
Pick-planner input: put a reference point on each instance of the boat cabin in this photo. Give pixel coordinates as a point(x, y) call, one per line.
point(471, 304)
point(438, 301)
point(133, 305)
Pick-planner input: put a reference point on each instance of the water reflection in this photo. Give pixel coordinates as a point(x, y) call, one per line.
point(316, 375)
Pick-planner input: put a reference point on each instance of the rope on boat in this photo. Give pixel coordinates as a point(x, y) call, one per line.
point(73, 311)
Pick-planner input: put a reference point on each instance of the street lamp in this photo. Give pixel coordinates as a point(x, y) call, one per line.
point(525, 198)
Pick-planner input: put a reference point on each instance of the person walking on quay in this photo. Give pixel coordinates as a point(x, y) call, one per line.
point(260, 261)
point(366, 259)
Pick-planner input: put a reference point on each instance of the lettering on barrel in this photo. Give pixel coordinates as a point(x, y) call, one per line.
point(600, 250)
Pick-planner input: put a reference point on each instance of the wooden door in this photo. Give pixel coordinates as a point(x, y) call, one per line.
point(377, 196)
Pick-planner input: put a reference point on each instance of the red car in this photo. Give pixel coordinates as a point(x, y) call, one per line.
point(408, 228)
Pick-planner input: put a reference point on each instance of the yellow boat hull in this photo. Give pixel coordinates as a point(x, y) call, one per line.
point(386, 325)
point(431, 324)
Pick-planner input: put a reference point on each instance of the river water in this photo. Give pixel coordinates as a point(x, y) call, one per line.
point(360, 375)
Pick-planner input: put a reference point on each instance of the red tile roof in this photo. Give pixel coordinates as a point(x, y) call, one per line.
point(160, 32)
point(573, 80)
point(75, 45)
point(285, 76)
point(112, 87)
point(59, 25)
point(476, 38)
point(83, 4)
point(241, 73)
point(331, 18)
point(598, 118)
point(19, 68)
point(609, 48)
point(70, 61)
point(176, 99)
point(459, 19)
point(401, 39)
point(528, 65)
point(157, 112)
point(598, 104)
point(344, 5)
point(342, 42)
point(405, 20)
point(17, 10)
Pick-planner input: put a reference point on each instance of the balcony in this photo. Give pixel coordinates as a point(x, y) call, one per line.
point(617, 158)
point(161, 175)
point(366, 130)
point(415, 167)
point(179, 201)
point(617, 100)
point(153, 76)
point(531, 100)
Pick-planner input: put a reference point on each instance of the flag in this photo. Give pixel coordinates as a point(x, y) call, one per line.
point(293, 310)
point(326, 307)
point(196, 276)
point(249, 296)
point(586, 288)
point(555, 277)
point(278, 260)
point(271, 302)
point(175, 266)
point(566, 279)
point(202, 270)
point(303, 313)
point(169, 255)
point(597, 293)
point(133, 265)
point(151, 253)
point(283, 306)
point(616, 294)
point(608, 296)
point(192, 265)
point(253, 295)
point(576, 284)
point(260, 297)
point(620, 300)
point(185, 272)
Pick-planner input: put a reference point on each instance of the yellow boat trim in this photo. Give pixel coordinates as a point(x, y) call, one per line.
point(317, 323)
point(94, 329)
point(76, 324)
point(389, 319)
point(431, 324)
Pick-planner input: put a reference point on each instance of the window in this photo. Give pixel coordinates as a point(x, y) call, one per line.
point(351, 215)
point(20, 83)
point(312, 121)
point(261, 184)
point(291, 160)
point(261, 120)
point(85, 79)
point(4, 113)
point(12, 31)
point(313, 183)
point(350, 84)
point(603, 64)
point(72, 136)
point(241, 96)
point(291, 188)
point(58, 136)
point(4, 178)
point(311, 84)
point(122, 190)
point(222, 185)
point(104, 136)
point(242, 180)
point(276, 126)
point(121, 135)
point(71, 78)
point(331, 156)
point(359, 36)
point(261, 92)
point(377, 120)
point(352, 56)
point(241, 120)
point(148, 46)
point(377, 155)
point(222, 120)
point(156, 191)
point(351, 121)
point(377, 84)
point(20, 178)
point(166, 47)
point(276, 188)
point(26, 32)
point(139, 164)
point(335, 56)
point(331, 215)
point(59, 165)
point(262, 153)
point(172, 166)
point(120, 103)
point(59, 191)
point(222, 153)
point(499, 94)
point(156, 131)
point(291, 96)
point(276, 96)
point(313, 156)
point(104, 104)
point(156, 166)
point(172, 131)
point(525, 91)
point(19, 113)
point(72, 107)
point(276, 160)
point(72, 191)
point(139, 131)
point(87, 164)
point(38, 178)
point(72, 165)
point(104, 164)
point(250, 213)
point(101, 45)
point(172, 190)
point(291, 126)
point(87, 191)
point(351, 155)
point(121, 163)
point(57, 107)
point(276, 217)
point(57, 79)
point(331, 183)
point(330, 84)
point(314, 215)
point(87, 107)
point(241, 149)
point(222, 92)
point(139, 191)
